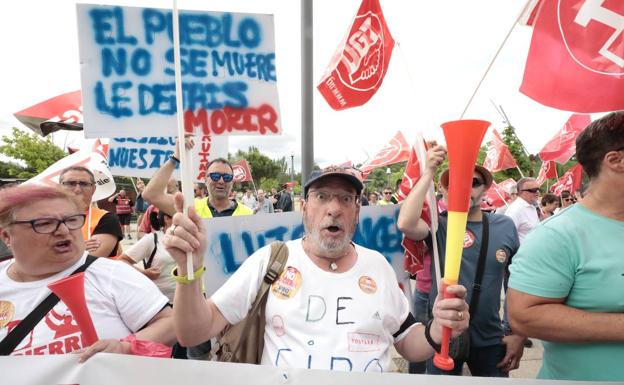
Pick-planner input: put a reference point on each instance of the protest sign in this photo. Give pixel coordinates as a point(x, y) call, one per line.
point(128, 88)
point(141, 157)
point(232, 239)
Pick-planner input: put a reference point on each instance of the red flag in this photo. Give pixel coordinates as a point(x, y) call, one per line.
point(63, 112)
point(498, 155)
point(347, 164)
point(563, 145)
point(576, 58)
point(395, 151)
point(496, 196)
point(359, 65)
point(241, 170)
point(548, 170)
point(570, 181)
point(530, 13)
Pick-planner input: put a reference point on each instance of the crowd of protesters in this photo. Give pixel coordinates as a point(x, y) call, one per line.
point(559, 258)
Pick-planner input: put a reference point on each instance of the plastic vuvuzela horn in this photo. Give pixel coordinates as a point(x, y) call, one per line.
point(463, 139)
point(71, 291)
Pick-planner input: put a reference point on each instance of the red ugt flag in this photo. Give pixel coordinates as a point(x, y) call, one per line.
point(548, 170)
point(498, 155)
point(359, 65)
point(570, 181)
point(576, 59)
point(241, 171)
point(563, 145)
point(395, 151)
point(62, 112)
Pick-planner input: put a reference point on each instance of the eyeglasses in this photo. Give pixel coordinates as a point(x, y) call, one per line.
point(215, 176)
point(476, 182)
point(74, 183)
point(568, 199)
point(323, 198)
point(531, 190)
point(387, 192)
point(50, 225)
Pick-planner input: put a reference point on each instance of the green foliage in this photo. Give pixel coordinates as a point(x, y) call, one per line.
point(261, 165)
point(379, 178)
point(10, 169)
point(528, 166)
point(36, 152)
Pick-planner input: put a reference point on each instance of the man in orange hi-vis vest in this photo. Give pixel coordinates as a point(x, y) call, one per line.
point(101, 231)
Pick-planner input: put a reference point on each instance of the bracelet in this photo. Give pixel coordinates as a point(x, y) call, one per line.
point(184, 280)
point(433, 344)
point(174, 159)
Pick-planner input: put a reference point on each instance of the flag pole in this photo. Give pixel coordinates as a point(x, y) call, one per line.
point(501, 197)
point(133, 185)
point(526, 5)
point(89, 222)
point(520, 171)
point(185, 157)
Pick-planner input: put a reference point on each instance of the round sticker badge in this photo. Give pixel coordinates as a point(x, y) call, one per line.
point(288, 283)
point(367, 284)
point(469, 239)
point(7, 311)
point(501, 255)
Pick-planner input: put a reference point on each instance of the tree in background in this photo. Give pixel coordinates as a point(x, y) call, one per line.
point(526, 163)
point(35, 152)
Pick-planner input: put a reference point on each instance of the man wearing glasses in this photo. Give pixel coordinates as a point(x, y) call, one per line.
point(335, 306)
point(566, 284)
point(523, 210)
point(386, 197)
point(219, 181)
point(101, 232)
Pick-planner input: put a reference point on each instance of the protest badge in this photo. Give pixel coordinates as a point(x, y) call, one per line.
point(232, 239)
point(127, 72)
point(142, 157)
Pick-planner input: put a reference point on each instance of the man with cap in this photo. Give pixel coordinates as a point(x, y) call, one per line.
point(336, 305)
point(494, 349)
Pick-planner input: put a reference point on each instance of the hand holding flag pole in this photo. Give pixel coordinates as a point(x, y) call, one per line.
point(463, 138)
point(186, 161)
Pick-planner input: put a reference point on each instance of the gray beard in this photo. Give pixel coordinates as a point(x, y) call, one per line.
point(330, 248)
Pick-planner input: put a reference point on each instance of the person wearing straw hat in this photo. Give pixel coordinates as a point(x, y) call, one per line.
point(335, 306)
point(493, 351)
point(101, 231)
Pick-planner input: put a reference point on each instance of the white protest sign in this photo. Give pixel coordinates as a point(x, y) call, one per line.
point(127, 72)
point(142, 157)
point(232, 239)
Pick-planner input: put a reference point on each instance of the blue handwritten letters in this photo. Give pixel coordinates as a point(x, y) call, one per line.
point(227, 62)
point(232, 239)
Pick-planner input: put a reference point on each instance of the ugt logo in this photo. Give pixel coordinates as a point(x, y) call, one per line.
point(362, 62)
point(593, 34)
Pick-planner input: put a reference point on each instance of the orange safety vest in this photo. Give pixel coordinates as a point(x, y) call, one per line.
point(87, 228)
point(123, 206)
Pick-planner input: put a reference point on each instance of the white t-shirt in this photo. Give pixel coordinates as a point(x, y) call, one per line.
point(524, 216)
point(321, 320)
point(120, 300)
point(162, 259)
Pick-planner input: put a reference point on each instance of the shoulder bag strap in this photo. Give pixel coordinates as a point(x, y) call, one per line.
point(476, 287)
point(10, 342)
point(148, 264)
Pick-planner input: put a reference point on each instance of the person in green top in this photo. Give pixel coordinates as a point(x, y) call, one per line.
point(567, 279)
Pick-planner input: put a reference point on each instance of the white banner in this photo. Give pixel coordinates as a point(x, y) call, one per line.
point(141, 157)
point(127, 72)
point(106, 369)
point(231, 239)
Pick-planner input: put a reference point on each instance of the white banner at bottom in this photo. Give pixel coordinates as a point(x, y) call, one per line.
point(107, 369)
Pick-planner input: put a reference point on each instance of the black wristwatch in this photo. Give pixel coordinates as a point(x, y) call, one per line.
point(433, 344)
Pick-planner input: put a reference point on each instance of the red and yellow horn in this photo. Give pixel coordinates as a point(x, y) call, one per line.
point(71, 291)
point(463, 139)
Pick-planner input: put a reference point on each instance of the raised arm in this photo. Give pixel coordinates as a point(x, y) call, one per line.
point(409, 221)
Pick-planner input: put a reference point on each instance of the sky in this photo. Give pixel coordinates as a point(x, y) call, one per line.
point(443, 50)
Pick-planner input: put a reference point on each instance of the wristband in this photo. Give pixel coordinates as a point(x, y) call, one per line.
point(174, 159)
point(433, 344)
point(184, 280)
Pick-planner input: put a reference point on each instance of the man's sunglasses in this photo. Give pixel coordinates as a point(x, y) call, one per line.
point(215, 176)
point(531, 190)
point(476, 182)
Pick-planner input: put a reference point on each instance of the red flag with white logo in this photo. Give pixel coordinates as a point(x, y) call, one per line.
point(395, 151)
point(576, 58)
point(563, 145)
point(496, 196)
point(62, 112)
point(570, 181)
point(498, 155)
point(241, 170)
point(359, 65)
point(548, 170)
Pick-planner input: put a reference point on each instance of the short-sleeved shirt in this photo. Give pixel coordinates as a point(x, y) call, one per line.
point(524, 216)
point(485, 327)
point(321, 320)
point(109, 224)
point(576, 255)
